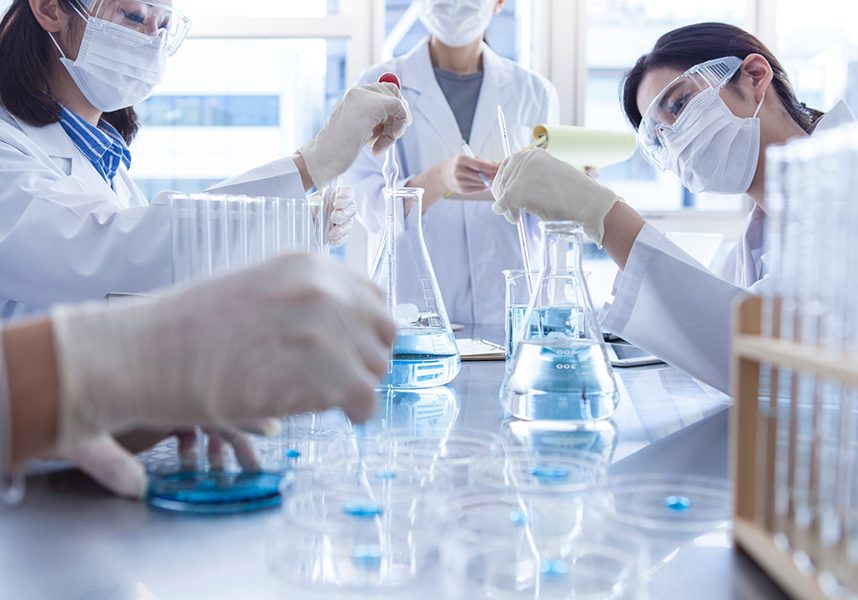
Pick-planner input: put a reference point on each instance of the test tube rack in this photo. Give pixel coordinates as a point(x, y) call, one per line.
point(758, 525)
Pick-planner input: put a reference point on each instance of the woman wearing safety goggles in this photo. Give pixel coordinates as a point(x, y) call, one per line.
point(73, 223)
point(706, 103)
point(74, 226)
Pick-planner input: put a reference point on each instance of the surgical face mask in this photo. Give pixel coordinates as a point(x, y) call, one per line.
point(116, 67)
point(711, 149)
point(457, 23)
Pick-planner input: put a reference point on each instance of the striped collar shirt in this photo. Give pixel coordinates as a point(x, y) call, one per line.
point(103, 146)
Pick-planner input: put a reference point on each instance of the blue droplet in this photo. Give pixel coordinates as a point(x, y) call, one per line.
point(363, 509)
point(366, 556)
point(554, 567)
point(549, 472)
point(293, 453)
point(386, 474)
point(518, 518)
point(677, 503)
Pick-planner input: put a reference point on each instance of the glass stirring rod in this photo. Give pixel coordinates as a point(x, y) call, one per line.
point(522, 227)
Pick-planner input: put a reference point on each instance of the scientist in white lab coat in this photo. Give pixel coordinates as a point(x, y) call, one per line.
point(73, 224)
point(706, 102)
point(453, 82)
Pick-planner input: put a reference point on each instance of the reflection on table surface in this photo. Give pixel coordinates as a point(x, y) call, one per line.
point(71, 539)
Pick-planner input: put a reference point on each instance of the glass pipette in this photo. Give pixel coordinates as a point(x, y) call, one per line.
point(522, 229)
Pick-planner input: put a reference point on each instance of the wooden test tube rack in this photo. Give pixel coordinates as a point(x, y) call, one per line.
point(753, 442)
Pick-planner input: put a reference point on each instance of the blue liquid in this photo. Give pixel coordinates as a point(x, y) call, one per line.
point(562, 320)
point(214, 492)
point(677, 503)
point(559, 379)
point(422, 357)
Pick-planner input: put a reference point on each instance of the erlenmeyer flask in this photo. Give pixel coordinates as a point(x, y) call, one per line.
point(560, 368)
point(424, 353)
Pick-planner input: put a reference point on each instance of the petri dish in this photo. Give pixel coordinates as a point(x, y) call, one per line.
point(565, 475)
point(214, 492)
point(512, 545)
point(671, 505)
point(346, 542)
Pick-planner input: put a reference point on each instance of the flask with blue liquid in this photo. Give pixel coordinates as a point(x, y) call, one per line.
point(424, 352)
point(560, 369)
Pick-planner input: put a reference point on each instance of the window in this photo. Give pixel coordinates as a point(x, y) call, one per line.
point(819, 49)
point(639, 23)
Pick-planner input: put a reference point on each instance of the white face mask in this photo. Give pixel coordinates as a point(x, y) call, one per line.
point(116, 67)
point(457, 23)
point(711, 149)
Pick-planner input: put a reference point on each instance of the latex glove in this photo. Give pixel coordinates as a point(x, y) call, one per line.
point(534, 181)
point(343, 216)
point(461, 174)
point(374, 113)
point(296, 334)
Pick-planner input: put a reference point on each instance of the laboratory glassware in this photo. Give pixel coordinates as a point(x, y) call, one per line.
point(424, 352)
point(212, 234)
point(518, 293)
point(560, 369)
point(521, 226)
point(597, 439)
point(510, 545)
point(671, 512)
point(356, 542)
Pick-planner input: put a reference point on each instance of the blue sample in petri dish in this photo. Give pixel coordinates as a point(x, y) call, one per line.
point(544, 471)
point(292, 453)
point(386, 474)
point(363, 509)
point(214, 492)
point(366, 556)
point(677, 503)
point(555, 567)
point(518, 518)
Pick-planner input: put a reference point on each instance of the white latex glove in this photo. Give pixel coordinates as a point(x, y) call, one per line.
point(343, 216)
point(534, 181)
point(373, 113)
point(296, 334)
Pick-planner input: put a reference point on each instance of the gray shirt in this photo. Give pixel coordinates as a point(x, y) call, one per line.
point(462, 93)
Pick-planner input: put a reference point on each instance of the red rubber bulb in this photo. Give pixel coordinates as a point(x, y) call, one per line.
point(390, 78)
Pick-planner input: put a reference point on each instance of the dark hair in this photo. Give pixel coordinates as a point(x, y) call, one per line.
point(688, 46)
point(26, 54)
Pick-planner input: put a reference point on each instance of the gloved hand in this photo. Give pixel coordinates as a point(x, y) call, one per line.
point(296, 334)
point(111, 462)
point(373, 113)
point(534, 181)
point(342, 217)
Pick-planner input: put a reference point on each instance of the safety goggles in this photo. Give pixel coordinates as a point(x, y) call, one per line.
point(663, 115)
point(166, 26)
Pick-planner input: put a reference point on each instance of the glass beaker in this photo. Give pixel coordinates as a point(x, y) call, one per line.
point(425, 352)
point(517, 300)
point(560, 369)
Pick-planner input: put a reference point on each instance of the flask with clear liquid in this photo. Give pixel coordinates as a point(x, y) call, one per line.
point(425, 352)
point(560, 369)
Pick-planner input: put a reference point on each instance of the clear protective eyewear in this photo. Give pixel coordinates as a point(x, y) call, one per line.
point(166, 26)
point(666, 109)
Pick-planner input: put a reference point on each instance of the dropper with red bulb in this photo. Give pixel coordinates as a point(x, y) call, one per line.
point(390, 169)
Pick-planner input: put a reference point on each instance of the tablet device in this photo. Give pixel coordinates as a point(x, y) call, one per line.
point(626, 355)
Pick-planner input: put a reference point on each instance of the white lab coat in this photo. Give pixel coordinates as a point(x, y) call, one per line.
point(672, 306)
point(468, 244)
point(66, 235)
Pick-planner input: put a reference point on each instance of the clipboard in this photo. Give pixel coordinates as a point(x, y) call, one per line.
point(480, 350)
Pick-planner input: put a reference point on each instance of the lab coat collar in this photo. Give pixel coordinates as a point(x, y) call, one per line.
point(418, 77)
point(52, 139)
point(839, 114)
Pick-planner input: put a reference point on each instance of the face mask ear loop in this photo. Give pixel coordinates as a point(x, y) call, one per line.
point(759, 106)
point(54, 40)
